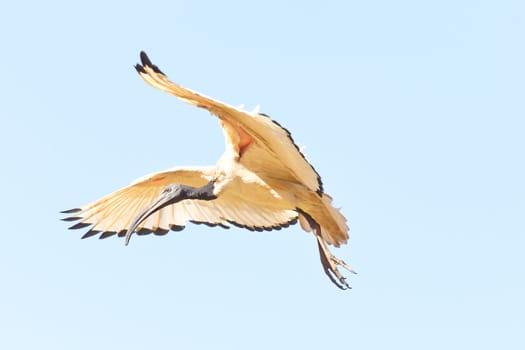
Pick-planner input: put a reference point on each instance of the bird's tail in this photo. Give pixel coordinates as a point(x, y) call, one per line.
point(334, 229)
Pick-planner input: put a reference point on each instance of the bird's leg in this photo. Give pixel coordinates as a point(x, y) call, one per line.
point(328, 260)
point(330, 263)
point(170, 195)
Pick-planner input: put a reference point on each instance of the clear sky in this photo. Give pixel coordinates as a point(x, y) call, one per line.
point(412, 111)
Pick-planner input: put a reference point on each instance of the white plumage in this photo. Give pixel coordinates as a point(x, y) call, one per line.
point(261, 182)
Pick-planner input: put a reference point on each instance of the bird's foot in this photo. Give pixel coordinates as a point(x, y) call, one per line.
point(341, 263)
point(334, 262)
point(330, 264)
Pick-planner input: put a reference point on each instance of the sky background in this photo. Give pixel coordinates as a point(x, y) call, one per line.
point(413, 112)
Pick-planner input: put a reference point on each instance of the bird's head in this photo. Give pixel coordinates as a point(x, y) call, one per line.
point(169, 195)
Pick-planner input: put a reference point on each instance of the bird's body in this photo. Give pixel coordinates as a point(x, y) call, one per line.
point(261, 182)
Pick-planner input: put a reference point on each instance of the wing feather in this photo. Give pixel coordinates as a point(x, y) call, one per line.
point(275, 147)
point(114, 213)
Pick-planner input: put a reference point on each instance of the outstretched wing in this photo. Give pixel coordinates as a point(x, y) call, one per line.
point(263, 143)
point(113, 214)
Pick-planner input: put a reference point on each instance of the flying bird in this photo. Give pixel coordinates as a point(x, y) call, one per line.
point(262, 181)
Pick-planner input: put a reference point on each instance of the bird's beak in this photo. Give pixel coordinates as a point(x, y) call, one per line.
point(164, 199)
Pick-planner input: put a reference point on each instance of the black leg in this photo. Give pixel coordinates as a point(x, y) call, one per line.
point(328, 260)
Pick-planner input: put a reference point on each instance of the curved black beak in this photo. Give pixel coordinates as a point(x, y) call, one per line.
point(171, 194)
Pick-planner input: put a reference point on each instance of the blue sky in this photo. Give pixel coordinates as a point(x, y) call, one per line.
point(411, 111)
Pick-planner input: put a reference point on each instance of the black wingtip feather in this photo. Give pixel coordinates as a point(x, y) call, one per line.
point(140, 69)
point(209, 224)
point(146, 62)
point(70, 211)
point(161, 231)
point(320, 189)
point(265, 228)
point(80, 225)
point(71, 218)
point(176, 228)
point(143, 231)
point(90, 233)
point(157, 70)
point(107, 234)
point(145, 59)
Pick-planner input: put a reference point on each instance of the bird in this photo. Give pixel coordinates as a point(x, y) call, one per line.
point(261, 182)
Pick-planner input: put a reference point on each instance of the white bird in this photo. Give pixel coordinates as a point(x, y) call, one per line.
point(261, 182)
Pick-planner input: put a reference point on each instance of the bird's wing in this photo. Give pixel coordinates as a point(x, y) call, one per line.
point(270, 145)
point(114, 213)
